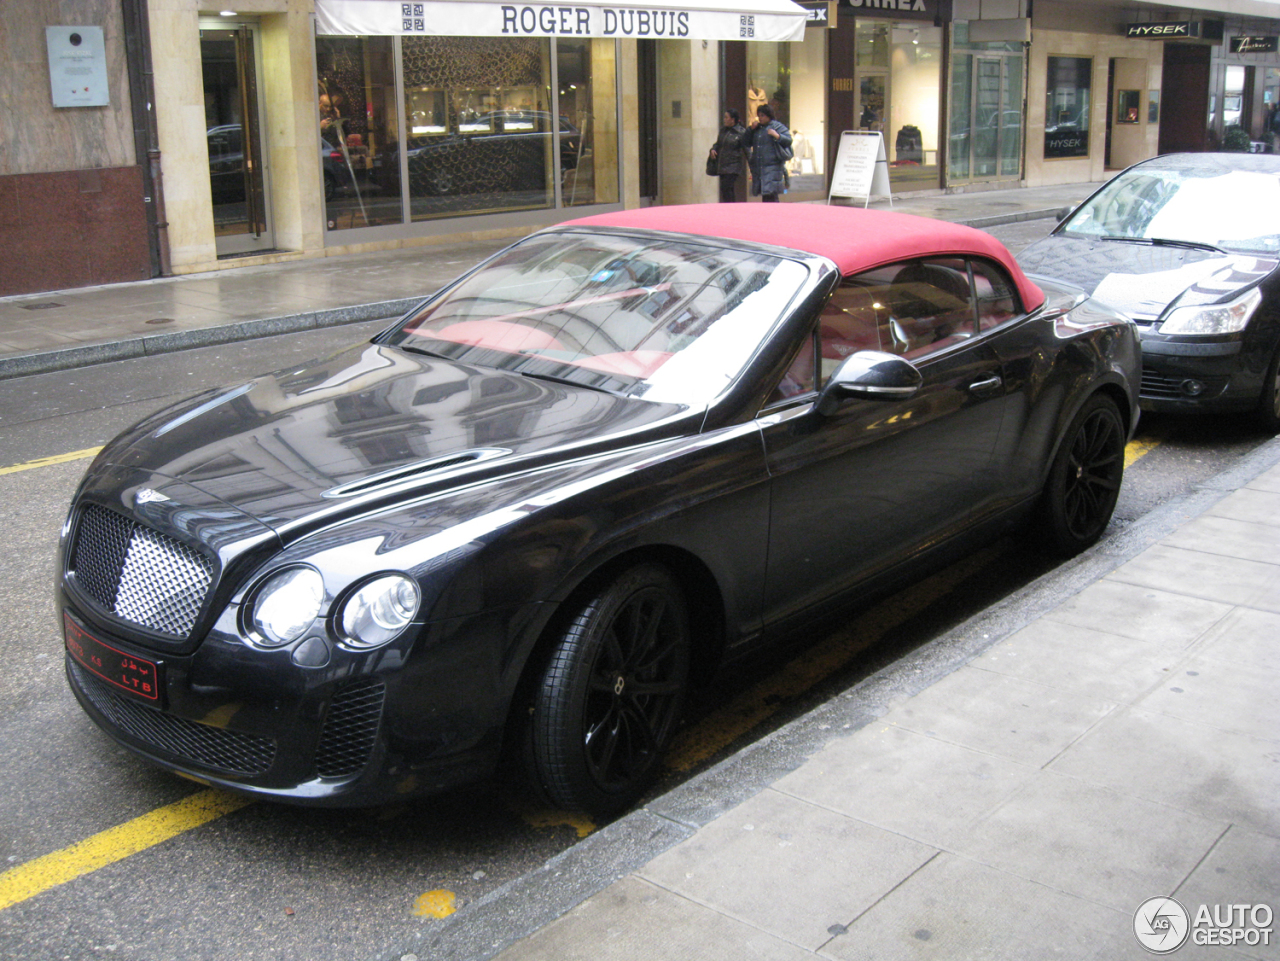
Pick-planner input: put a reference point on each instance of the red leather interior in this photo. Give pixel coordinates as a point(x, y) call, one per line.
point(497, 334)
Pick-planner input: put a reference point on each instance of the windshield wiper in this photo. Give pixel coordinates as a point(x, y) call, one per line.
point(1164, 242)
point(565, 380)
point(415, 349)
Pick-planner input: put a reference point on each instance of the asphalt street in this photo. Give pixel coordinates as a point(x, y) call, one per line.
point(268, 881)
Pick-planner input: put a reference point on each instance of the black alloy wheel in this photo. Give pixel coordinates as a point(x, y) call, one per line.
point(1269, 402)
point(1084, 481)
point(612, 693)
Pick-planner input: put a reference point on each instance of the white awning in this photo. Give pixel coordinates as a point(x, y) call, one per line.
point(610, 19)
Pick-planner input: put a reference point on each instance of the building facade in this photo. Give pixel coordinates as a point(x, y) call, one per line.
point(285, 129)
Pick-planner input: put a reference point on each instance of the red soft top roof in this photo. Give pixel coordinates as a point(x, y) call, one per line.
point(854, 238)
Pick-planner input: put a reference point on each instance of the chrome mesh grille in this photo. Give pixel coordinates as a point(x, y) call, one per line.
point(350, 728)
point(138, 574)
point(233, 752)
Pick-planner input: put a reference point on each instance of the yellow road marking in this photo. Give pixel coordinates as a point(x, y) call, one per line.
point(1140, 448)
point(725, 725)
point(552, 819)
point(709, 735)
point(114, 844)
point(435, 904)
point(50, 461)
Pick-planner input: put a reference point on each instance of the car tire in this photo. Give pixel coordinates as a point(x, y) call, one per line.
point(611, 694)
point(1269, 402)
point(1084, 480)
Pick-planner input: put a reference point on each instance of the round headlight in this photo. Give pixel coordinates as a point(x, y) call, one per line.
point(379, 611)
point(288, 603)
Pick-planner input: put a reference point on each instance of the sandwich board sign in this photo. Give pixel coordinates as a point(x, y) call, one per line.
point(862, 168)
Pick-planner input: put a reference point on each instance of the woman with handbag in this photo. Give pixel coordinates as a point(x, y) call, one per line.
point(770, 151)
point(729, 155)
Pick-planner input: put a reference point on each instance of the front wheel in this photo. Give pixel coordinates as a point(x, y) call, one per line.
point(1084, 481)
point(611, 694)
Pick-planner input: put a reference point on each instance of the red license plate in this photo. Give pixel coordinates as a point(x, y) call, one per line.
point(125, 672)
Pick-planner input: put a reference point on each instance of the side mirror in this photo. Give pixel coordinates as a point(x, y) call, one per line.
point(870, 375)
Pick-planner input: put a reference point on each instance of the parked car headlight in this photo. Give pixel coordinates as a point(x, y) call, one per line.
point(1217, 319)
point(378, 611)
point(286, 605)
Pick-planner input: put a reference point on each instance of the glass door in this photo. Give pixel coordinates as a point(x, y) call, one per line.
point(986, 118)
point(237, 168)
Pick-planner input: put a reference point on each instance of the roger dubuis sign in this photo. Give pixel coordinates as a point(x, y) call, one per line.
point(777, 20)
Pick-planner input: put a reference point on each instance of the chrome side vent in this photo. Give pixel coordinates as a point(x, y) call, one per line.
point(412, 471)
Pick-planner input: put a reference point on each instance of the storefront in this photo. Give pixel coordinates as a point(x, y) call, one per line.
point(295, 129)
point(1095, 93)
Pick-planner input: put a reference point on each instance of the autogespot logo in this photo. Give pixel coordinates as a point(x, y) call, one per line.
point(1161, 925)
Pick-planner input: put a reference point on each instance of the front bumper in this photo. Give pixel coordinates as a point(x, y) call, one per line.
point(1216, 376)
point(360, 730)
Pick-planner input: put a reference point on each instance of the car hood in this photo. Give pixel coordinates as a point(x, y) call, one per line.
point(1143, 280)
point(300, 449)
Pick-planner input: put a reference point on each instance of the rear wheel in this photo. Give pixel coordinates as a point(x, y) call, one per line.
point(611, 694)
point(1084, 481)
point(1269, 402)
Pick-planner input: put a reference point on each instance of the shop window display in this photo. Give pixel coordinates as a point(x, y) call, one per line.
point(479, 125)
point(899, 65)
point(359, 120)
point(586, 71)
point(1066, 118)
point(791, 78)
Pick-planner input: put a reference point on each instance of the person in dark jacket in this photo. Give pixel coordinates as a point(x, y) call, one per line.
point(770, 151)
point(730, 153)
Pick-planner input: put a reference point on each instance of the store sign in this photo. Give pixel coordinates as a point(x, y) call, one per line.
point(1066, 143)
point(822, 13)
point(1254, 44)
point(899, 6)
point(1175, 30)
point(776, 20)
point(77, 66)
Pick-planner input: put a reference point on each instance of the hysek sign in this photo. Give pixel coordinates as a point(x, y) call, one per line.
point(1162, 925)
point(1163, 31)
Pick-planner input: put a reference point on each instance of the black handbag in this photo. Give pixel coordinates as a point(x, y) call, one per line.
point(713, 166)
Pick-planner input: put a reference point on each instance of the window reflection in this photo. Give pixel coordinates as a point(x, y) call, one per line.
point(479, 125)
point(359, 119)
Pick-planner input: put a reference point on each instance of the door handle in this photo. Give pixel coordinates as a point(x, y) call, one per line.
point(988, 385)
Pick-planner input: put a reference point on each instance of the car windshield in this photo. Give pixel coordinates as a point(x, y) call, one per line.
point(1236, 210)
point(666, 320)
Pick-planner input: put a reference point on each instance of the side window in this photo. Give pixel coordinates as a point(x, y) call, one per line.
point(932, 306)
point(997, 299)
point(910, 309)
point(853, 319)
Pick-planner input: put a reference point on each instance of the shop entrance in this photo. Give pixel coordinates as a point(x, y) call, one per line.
point(237, 168)
point(986, 117)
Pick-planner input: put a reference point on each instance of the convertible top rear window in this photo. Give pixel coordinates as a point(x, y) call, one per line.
point(660, 319)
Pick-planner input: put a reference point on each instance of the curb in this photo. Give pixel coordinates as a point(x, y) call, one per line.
point(525, 905)
point(69, 358)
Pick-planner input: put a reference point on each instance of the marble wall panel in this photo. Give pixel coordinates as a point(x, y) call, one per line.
point(72, 229)
point(37, 137)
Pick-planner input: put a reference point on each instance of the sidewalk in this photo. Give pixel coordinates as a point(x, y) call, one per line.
point(1014, 790)
point(55, 330)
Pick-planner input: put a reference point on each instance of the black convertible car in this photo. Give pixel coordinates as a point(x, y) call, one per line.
point(1188, 245)
point(517, 526)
